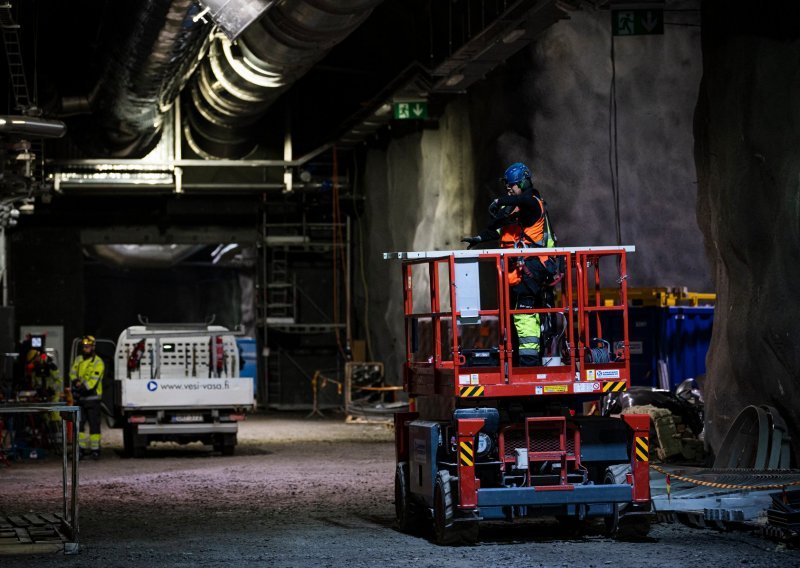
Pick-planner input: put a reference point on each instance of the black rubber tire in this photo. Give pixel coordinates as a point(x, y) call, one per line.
point(224, 444)
point(408, 514)
point(638, 527)
point(614, 474)
point(445, 531)
point(132, 443)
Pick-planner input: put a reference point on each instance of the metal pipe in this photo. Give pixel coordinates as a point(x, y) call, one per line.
point(144, 75)
point(200, 187)
point(235, 17)
point(64, 466)
point(235, 85)
point(38, 127)
point(74, 515)
point(348, 332)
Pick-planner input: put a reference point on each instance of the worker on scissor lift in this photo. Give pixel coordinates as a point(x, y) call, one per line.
point(520, 220)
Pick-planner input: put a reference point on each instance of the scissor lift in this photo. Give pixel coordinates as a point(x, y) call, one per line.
point(488, 439)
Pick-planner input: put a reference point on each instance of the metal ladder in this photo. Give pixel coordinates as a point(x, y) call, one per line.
point(19, 84)
point(16, 67)
point(280, 289)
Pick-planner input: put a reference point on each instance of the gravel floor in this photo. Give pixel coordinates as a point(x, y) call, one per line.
point(316, 493)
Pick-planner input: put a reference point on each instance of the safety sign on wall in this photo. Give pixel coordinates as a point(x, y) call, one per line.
point(630, 22)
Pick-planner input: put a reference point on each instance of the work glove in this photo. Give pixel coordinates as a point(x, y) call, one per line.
point(472, 241)
point(494, 208)
point(501, 212)
point(78, 388)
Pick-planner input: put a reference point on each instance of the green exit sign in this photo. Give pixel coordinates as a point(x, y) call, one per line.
point(641, 21)
point(411, 110)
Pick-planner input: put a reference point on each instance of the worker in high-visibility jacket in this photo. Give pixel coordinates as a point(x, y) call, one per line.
point(520, 220)
point(86, 379)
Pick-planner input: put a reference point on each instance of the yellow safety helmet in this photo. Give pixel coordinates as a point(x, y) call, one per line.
point(88, 340)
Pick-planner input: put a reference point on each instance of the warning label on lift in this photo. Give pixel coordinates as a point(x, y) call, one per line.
point(466, 392)
point(467, 454)
point(642, 448)
point(607, 374)
point(472, 379)
point(614, 386)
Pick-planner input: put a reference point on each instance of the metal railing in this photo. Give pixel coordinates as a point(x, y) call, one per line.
point(69, 414)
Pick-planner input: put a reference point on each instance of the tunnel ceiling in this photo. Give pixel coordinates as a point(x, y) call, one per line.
point(111, 70)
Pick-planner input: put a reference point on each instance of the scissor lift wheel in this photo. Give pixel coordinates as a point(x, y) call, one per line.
point(446, 529)
point(410, 516)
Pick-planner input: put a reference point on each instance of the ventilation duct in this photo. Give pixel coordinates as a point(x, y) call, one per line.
point(236, 83)
point(232, 16)
point(144, 75)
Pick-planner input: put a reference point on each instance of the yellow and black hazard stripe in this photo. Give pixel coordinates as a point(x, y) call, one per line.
point(614, 386)
point(467, 453)
point(641, 446)
point(471, 391)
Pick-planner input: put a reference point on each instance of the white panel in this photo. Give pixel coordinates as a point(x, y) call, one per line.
point(54, 341)
point(468, 290)
point(146, 393)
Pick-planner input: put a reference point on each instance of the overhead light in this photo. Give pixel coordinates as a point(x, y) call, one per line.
point(287, 180)
point(221, 251)
point(454, 80)
point(513, 36)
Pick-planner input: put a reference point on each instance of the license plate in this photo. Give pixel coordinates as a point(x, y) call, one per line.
point(188, 418)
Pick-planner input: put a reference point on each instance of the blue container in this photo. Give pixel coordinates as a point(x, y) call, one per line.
point(644, 326)
point(247, 358)
point(685, 339)
point(677, 335)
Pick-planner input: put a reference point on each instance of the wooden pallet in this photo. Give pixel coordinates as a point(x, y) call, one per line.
point(30, 533)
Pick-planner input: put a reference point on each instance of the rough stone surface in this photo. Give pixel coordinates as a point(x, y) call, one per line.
point(747, 134)
point(310, 493)
point(419, 197)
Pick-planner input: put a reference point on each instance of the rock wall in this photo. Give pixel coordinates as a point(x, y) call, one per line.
point(419, 197)
point(747, 138)
point(549, 106)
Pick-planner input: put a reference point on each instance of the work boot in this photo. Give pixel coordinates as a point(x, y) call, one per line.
point(82, 453)
point(95, 455)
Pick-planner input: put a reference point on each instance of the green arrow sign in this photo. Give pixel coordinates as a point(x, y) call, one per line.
point(411, 110)
point(637, 22)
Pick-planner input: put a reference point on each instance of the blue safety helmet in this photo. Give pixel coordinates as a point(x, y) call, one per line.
point(517, 173)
